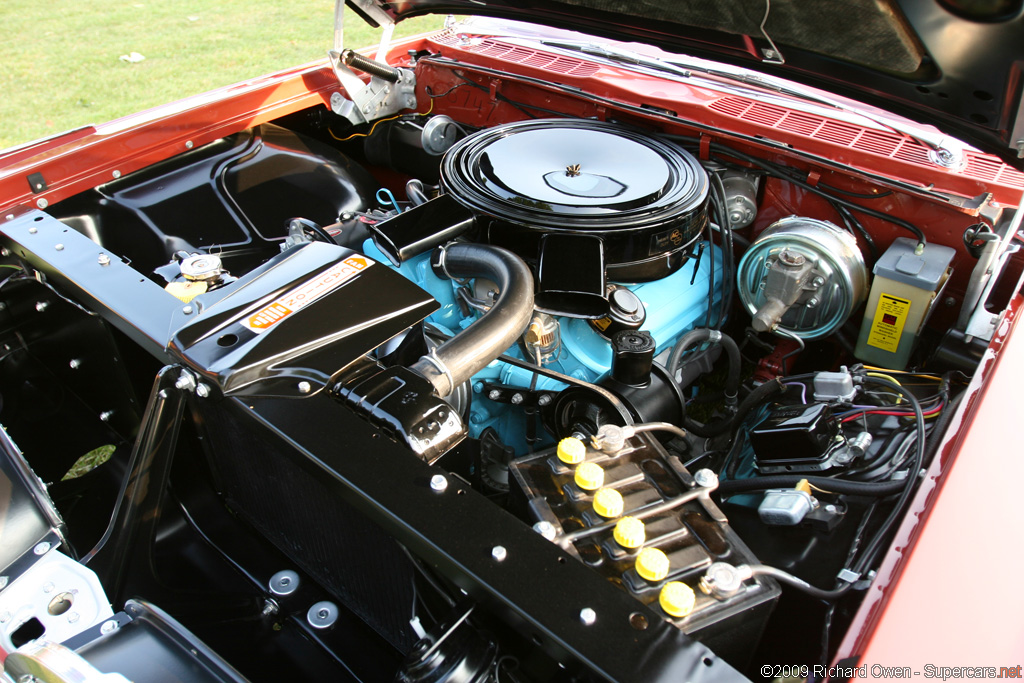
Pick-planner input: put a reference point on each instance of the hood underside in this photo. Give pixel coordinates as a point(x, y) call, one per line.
point(954, 64)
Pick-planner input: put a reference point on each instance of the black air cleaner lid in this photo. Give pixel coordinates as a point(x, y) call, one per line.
point(576, 174)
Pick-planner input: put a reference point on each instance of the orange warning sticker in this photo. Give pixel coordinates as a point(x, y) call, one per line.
point(306, 293)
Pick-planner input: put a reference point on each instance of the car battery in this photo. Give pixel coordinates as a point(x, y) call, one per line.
point(639, 518)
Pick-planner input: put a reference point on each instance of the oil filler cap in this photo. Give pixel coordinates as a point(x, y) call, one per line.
point(677, 599)
point(571, 450)
point(652, 564)
point(608, 503)
point(629, 532)
point(589, 476)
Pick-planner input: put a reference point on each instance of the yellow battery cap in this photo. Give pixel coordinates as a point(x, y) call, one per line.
point(629, 532)
point(608, 503)
point(589, 476)
point(652, 564)
point(571, 450)
point(677, 599)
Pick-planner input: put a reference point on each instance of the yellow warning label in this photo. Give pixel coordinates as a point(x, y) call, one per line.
point(601, 324)
point(887, 327)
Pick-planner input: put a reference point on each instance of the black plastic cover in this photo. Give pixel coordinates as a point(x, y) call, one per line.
point(402, 404)
point(571, 276)
point(421, 228)
point(798, 435)
point(301, 317)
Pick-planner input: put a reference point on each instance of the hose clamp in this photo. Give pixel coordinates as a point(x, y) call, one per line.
point(443, 265)
point(440, 367)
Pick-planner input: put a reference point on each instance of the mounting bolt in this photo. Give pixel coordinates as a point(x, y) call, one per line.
point(439, 483)
point(108, 627)
point(103, 260)
point(42, 305)
point(189, 144)
point(494, 394)
point(305, 387)
point(202, 390)
point(33, 231)
point(5, 252)
point(545, 529)
point(59, 247)
point(705, 478)
point(818, 281)
point(42, 203)
point(516, 399)
point(116, 174)
point(187, 310)
point(185, 381)
point(106, 415)
point(322, 614)
point(812, 303)
point(74, 363)
point(588, 617)
point(284, 582)
point(41, 548)
point(73, 617)
point(269, 608)
point(499, 553)
point(544, 399)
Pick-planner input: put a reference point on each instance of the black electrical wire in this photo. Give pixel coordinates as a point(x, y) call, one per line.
point(856, 227)
point(728, 254)
point(883, 453)
point(913, 468)
point(859, 195)
point(796, 582)
point(711, 279)
point(873, 489)
point(754, 399)
point(779, 172)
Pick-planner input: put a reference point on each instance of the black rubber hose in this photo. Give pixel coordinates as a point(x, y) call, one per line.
point(830, 484)
point(753, 400)
point(691, 339)
point(732, 382)
point(465, 354)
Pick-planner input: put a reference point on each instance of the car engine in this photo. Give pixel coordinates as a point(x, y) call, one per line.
point(516, 389)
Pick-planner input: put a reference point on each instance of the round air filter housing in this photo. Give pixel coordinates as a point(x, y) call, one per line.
point(645, 200)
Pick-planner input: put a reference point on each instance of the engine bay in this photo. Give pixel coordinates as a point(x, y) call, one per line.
point(530, 386)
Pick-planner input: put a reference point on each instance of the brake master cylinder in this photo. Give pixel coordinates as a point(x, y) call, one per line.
point(802, 276)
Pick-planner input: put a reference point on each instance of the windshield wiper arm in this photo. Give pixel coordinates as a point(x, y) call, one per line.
point(618, 56)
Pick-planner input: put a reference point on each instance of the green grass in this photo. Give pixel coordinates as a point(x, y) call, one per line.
point(61, 67)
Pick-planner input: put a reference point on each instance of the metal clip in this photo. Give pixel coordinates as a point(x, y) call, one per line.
point(772, 55)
